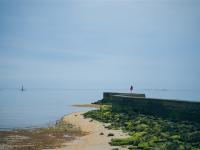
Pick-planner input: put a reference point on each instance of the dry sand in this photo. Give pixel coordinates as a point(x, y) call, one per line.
point(93, 140)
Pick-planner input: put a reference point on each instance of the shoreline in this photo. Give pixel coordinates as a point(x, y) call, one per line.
point(80, 134)
point(51, 122)
point(86, 105)
point(51, 136)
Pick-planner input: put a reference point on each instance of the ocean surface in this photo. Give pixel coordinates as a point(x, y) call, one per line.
point(42, 107)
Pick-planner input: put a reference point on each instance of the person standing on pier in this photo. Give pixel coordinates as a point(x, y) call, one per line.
point(131, 88)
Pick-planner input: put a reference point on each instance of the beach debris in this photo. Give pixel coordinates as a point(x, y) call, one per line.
point(110, 134)
point(101, 133)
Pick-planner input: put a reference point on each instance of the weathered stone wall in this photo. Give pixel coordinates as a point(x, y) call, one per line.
point(173, 109)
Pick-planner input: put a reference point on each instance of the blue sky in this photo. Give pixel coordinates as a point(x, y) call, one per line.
point(100, 43)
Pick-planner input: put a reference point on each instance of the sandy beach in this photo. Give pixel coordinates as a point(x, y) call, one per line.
point(93, 140)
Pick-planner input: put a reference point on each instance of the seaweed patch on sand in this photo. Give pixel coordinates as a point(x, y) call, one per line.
point(39, 138)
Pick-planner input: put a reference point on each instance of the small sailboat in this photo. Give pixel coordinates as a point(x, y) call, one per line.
point(22, 89)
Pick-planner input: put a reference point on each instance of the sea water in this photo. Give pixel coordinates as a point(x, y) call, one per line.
point(42, 107)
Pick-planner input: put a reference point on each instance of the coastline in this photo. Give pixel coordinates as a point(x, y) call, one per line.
point(96, 130)
point(71, 132)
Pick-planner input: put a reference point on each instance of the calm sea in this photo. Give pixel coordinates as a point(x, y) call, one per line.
point(41, 107)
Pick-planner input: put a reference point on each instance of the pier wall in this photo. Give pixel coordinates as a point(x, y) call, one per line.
point(173, 109)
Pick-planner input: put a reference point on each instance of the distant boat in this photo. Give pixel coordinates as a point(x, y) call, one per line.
point(22, 89)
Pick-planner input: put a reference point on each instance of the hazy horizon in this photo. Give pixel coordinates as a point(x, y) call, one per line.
point(109, 44)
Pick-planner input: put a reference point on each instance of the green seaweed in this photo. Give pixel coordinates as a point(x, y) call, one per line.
point(149, 132)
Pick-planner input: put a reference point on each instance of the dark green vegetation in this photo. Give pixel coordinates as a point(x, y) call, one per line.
point(150, 132)
point(40, 138)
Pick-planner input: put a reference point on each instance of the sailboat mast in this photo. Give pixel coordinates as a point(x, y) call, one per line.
point(22, 89)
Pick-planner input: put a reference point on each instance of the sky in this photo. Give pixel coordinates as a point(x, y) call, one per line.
point(100, 44)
